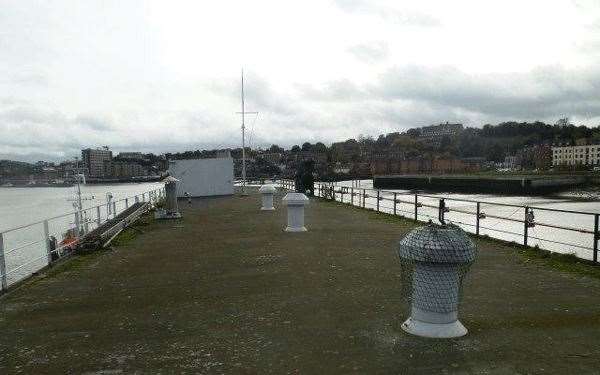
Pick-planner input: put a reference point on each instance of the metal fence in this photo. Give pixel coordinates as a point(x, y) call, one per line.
point(27, 249)
point(556, 230)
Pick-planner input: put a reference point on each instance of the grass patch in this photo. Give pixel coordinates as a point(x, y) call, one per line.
point(132, 231)
point(373, 214)
point(125, 237)
point(73, 263)
point(568, 263)
point(67, 265)
point(561, 262)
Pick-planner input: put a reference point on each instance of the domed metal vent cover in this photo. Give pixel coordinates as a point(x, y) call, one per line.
point(434, 261)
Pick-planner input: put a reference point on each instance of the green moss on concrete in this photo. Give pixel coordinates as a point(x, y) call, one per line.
point(226, 290)
point(143, 224)
point(561, 262)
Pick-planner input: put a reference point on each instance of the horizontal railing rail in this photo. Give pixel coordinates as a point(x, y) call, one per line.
point(26, 249)
point(561, 228)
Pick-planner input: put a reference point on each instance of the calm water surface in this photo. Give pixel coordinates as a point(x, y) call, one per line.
point(20, 206)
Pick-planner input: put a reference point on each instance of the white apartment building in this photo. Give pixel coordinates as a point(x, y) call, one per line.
point(573, 155)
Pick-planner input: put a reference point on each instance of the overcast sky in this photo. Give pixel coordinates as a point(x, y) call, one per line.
point(158, 76)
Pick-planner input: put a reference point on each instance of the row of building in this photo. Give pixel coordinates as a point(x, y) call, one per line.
point(100, 164)
point(585, 155)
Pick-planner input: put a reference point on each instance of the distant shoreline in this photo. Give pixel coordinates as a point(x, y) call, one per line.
point(88, 181)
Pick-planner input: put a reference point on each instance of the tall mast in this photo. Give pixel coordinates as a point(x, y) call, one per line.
point(244, 113)
point(243, 140)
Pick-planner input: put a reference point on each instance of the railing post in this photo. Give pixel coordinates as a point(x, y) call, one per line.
point(114, 209)
point(78, 223)
point(416, 207)
point(98, 217)
point(86, 224)
point(377, 200)
point(2, 264)
point(596, 218)
point(477, 220)
point(126, 203)
point(352, 196)
point(525, 226)
point(395, 203)
point(364, 196)
point(47, 241)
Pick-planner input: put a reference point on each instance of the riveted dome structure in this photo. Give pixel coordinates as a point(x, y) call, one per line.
point(434, 262)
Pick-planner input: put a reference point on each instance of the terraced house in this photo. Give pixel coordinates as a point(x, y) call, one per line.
point(573, 155)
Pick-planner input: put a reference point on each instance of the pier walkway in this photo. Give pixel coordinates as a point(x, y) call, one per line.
point(225, 290)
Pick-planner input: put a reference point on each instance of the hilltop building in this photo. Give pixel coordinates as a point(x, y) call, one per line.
point(435, 133)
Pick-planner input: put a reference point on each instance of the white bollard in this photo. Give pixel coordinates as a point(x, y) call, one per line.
point(267, 192)
point(295, 203)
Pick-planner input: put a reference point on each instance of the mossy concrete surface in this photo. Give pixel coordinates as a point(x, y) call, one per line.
point(225, 290)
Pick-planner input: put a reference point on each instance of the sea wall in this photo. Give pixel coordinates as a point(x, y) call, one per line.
point(495, 184)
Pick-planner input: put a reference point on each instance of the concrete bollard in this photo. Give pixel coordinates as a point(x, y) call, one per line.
point(267, 192)
point(295, 203)
point(435, 260)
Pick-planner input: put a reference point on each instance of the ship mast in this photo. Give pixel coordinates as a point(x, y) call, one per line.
point(80, 214)
point(244, 113)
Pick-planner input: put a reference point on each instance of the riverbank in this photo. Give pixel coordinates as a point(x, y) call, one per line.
point(225, 290)
point(516, 185)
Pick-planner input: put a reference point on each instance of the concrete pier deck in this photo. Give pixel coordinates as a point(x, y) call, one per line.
point(225, 290)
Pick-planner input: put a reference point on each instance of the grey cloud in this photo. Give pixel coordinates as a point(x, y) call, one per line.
point(370, 52)
point(31, 133)
point(260, 95)
point(19, 116)
point(24, 78)
point(541, 93)
point(404, 17)
point(340, 90)
point(410, 96)
point(94, 123)
point(264, 98)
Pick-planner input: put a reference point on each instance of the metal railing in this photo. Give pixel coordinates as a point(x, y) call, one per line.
point(553, 229)
point(26, 249)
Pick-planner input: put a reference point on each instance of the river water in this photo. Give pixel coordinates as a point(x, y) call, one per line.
point(24, 248)
point(545, 237)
